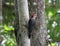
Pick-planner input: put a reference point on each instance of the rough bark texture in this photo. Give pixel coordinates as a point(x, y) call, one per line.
point(22, 7)
point(16, 24)
point(0, 19)
point(0, 12)
point(39, 36)
point(32, 6)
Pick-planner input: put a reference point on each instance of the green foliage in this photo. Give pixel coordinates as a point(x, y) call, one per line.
point(8, 14)
point(8, 19)
point(8, 35)
point(11, 42)
point(53, 44)
point(8, 28)
point(53, 21)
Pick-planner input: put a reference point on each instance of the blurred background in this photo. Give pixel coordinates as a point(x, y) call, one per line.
point(7, 20)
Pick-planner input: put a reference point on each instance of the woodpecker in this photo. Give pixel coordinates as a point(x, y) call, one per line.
point(31, 24)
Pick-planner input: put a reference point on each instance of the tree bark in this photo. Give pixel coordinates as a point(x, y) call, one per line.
point(0, 19)
point(23, 17)
point(32, 6)
point(0, 12)
point(39, 36)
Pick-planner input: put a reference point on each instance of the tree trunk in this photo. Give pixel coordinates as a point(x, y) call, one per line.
point(0, 12)
point(0, 19)
point(32, 6)
point(22, 10)
point(39, 36)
